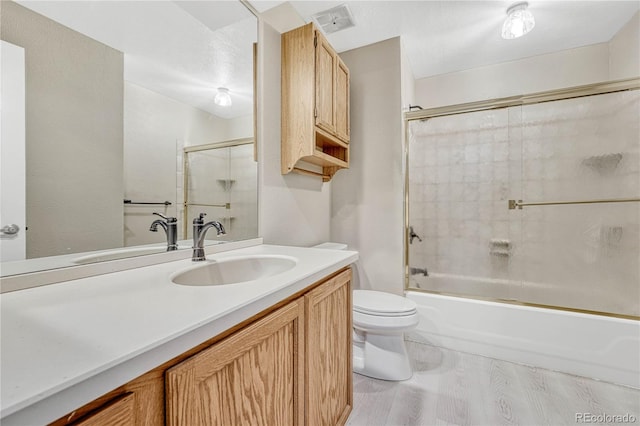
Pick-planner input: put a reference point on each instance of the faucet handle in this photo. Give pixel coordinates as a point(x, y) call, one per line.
point(167, 218)
point(200, 219)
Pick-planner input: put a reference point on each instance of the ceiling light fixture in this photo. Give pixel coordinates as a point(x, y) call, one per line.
point(223, 98)
point(519, 21)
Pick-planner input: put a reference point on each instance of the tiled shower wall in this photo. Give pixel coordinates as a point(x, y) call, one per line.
point(464, 168)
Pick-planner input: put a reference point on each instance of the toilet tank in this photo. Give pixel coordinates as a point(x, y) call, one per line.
point(331, 246)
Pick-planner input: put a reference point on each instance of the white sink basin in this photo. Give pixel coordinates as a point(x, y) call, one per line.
point(119, 254)
point(234, 270)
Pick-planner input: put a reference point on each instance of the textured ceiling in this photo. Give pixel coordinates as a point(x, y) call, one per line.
point(447, 36)
point(184, 50)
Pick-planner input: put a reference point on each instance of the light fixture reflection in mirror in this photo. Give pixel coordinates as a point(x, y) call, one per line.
point(223, 98)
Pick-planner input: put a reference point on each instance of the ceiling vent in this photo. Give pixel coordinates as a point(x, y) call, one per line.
point(335, 19)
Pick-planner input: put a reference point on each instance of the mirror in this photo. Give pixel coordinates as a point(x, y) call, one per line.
point(115, 93)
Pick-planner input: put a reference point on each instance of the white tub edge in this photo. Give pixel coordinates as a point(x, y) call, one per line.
point(594, 346)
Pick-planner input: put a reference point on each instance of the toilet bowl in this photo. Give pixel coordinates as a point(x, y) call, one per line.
point(379, 322)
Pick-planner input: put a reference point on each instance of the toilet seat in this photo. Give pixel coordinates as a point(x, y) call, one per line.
point(383, 312)
point(381, 324)
point(378, 303)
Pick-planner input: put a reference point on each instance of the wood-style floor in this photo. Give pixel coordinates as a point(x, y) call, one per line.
point(455, 388)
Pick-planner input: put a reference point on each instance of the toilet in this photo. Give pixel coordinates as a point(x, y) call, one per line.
point(379, 322)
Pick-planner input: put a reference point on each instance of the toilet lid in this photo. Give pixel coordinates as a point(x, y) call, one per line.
point(382, 304)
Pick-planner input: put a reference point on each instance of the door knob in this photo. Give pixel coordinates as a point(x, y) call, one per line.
point(10, 229)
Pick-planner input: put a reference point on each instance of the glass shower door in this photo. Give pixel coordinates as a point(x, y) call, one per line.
point(462, 170)
point(535, 203)
point(583, 256)
point(221, 181)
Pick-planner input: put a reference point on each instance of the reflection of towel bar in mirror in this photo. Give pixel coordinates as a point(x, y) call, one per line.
point(226, 205)
point(518, 204)
point(160, 203)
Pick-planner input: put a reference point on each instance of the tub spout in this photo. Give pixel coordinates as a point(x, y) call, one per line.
point(416, 271)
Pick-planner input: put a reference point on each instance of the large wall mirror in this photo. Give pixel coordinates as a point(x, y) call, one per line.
point(115, 95)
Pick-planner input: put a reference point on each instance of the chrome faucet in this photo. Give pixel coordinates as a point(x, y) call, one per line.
point(199, 231)
point(170, 226)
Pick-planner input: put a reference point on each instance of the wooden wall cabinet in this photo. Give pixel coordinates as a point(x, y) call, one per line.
point(315, 103)
point(289, 365)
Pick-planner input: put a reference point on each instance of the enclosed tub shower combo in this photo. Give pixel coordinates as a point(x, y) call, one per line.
point(523, 228)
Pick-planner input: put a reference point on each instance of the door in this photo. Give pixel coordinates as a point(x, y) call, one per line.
point(325, 80)
point(342, 100)
point(120, 412)
point(329, 352)
point(12, 153)
point(254, 377)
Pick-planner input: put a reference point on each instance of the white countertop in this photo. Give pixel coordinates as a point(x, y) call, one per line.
point(27, 266)
point(65, 344)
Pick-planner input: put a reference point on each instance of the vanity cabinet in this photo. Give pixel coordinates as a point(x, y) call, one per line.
point(137, 403)
point(329, 357)
point(315, 104)
point(119, 412)
point(254, 377)
point(288, 365)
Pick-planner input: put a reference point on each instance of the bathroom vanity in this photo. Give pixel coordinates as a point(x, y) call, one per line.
point(134, 347)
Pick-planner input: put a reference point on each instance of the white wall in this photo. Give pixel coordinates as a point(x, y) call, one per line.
point(624, 51)
point(408, 82)
point(366, 211)
point(566, 68)
point(240, 127)
point(617, 59)
point(294, 209)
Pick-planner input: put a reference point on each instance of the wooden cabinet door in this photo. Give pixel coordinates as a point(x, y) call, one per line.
point(329, 386)
point(325, 84)
point(120, 412)
point(137, 403)
point(342, 100)
point(254, 377)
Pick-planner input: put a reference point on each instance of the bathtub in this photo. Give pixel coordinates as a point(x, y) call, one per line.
point(595, 346)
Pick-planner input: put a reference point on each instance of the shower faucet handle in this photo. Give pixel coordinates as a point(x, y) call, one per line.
point(412, 235)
